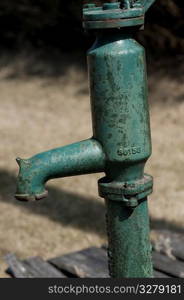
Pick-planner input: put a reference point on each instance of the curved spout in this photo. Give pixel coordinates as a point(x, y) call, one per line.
point(76, 159)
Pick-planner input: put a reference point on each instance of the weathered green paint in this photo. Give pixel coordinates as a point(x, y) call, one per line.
point(114, 23)
point(116, 15)
point(76, 159)
point(129, 246)
point(120, 114)
point(105, 14)
point(121, 142)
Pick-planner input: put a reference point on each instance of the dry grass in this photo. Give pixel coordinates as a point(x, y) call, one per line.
point(41, 113)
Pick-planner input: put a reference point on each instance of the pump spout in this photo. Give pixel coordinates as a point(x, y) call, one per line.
point(76, 159)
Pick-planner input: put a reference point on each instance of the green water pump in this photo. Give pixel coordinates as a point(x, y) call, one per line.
point(121, 142)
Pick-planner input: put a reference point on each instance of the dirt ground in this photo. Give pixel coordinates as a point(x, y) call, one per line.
point(43, 112)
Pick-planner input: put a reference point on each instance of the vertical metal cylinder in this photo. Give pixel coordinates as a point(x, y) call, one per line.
point(120, 114)
point(129, 249)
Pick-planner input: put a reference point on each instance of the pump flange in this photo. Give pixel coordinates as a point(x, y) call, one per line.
point(126, 191)
point(126, 13)
point(111, 15)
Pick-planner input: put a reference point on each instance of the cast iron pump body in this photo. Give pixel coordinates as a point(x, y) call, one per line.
point(121, 142)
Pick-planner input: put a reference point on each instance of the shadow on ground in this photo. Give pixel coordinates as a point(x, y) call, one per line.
point(68, 208)
point(61, 206)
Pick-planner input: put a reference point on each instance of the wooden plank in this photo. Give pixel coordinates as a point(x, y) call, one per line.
point(88, 263)
point(158, 274)
point(169, 243)
point(34, 267)
point(167, 265)
point(17, 268)
point(42, 268)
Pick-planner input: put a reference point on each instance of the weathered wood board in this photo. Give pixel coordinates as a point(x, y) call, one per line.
point(90, 263)
point(170, 266)
point(169, 243)
point(34, 267)
point(168, 261)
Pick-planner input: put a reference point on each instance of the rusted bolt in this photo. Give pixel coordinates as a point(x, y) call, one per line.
point(126, 4)
point(132, 203)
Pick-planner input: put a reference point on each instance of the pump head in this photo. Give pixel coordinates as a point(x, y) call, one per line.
point(115, 14)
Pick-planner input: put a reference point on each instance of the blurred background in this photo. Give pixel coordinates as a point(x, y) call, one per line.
point(44, 103)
